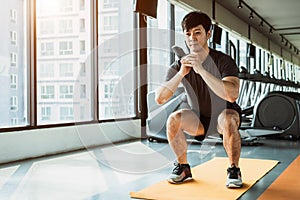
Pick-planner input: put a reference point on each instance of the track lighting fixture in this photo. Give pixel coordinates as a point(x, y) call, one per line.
point(251, 15)
point(240, 5)
point(291, 46)
point(261, 24)
point(271, 30)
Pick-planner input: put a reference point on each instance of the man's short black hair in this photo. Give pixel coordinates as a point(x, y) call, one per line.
point(194, 19)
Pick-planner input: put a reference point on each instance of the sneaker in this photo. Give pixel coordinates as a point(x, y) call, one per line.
point(181, 173)
point(234, 177)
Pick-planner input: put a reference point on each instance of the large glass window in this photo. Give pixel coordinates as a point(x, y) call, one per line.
point(159, 45)
point(59, 62)
point(179, 36)
point(116, 59)
point(13, 64)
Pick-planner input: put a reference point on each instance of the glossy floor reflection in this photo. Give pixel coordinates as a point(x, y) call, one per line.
point(112, 172)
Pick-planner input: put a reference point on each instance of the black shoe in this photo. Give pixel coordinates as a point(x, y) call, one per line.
point(234, 177)
point(181, 173)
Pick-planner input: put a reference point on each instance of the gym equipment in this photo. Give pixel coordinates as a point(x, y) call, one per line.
point(277, 114)
point(158, 114)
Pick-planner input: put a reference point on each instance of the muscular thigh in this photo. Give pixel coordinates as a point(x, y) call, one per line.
point(189, 122)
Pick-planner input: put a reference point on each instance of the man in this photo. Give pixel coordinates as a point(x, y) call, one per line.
point(209, 77)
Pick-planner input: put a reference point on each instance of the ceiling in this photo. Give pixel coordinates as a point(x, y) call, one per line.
point(283, 16)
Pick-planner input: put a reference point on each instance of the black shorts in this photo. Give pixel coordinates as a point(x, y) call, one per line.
point(206, 121)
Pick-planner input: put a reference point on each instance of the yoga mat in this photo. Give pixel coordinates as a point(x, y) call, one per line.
point(209, 181)
point(287, 185)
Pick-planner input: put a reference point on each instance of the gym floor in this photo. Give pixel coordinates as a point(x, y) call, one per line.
point(85, 175)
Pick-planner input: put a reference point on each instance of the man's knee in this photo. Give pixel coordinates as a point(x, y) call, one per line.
point(174, 120)
point(228, 121)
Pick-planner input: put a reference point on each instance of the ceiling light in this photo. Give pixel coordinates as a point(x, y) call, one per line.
point(271, 30)
point(240, 5)
point(261, 23)
point(251, 15)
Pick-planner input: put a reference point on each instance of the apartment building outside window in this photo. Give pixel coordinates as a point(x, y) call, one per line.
point(66, 113)
point(46, 113)
point(82, 91)
point(82, 25)
point(13, 59)
point(110, 23)
point(47, 49)
point(65, 5)
point(66, 91)
point(66, 48)
point(14, 103)
point(81, 4)
point(66, 26)
point(47, 92)
point(13, 15)
point(46, 27)
point(82, 46)
point(13, 81)
point(13, 37)
point(66, 70)
point(46, 70)
point(110, 4)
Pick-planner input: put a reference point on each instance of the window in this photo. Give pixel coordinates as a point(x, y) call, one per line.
point(14, 103)
point(13, 59)
point(46, 113)
point(47, 92)
point(13, 15)
point(81, 4)
point(66, 91)
point(68, 66)
point(46, 70)
point(110, 4)
point(13, 81)
point(82, 47)
point(110, 23)
point(66, 48)
point(82, 69)
point(82, 25)
point(66, 70)
point(47, 49)
point(159, 43)
point(13, 37)
point(46, 27)
point(108, 90)
point(13, 64)
point(179, 14)
point(65, 5)
point(116, 78)
point(66, 26)
point(66, 113)
point(82, 91)
point(14, 121)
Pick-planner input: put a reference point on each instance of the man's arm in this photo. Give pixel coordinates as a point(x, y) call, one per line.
point(227, 88)
point(166, 91)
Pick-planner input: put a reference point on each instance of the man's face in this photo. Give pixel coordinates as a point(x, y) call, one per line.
point(196, 38)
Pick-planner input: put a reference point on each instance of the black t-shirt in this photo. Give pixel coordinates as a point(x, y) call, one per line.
point(200, 97)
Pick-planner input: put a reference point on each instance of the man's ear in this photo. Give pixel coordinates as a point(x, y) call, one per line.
point(208, 34)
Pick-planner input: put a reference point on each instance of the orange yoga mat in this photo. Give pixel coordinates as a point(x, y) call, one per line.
point(287, 185)
point(209, 181)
